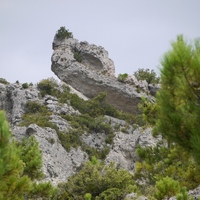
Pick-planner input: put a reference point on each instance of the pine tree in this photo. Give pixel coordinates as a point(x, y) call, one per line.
point(31, 155)
point(13, 185)
point(178, 101)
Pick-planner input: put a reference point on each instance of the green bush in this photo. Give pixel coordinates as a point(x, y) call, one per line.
point(166, 188)
point(122, 77)
point(70, 139)
point(25, 85)
point(33, 107)
point(29, 148)
point(62, 33)
point(78, 56)
point(3, 81)
point(145, 74)
point(94, 152)
point(160, 161)
point(47, 86)
point(102, 182)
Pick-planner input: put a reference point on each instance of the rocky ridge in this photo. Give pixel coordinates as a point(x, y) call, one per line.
point(95, 74)
point(59, 164)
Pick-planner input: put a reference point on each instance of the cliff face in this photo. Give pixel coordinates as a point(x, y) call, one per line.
point(59, 164)
point(93, 73)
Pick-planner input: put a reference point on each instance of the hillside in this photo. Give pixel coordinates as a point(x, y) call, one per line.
point(95, 142)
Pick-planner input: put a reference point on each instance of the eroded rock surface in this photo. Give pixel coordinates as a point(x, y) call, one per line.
point(94, 74)
point(123, 151)
point(58, 164)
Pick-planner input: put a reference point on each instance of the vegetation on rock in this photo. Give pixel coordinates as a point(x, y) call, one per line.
point(100, 181)
point(13, 184)
point(20, 166)
point(3, 81)
point(170, 168)
point(63, 33)
point(145, 74)
point(174, 115)
point(78, 56)
point(178, 101)
point(122, 77)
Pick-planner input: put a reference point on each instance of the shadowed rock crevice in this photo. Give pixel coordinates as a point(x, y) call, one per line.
point(91, 62)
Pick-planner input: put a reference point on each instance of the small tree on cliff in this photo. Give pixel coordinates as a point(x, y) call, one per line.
point(178, 101)
point(13, 185)
point(62, 33)
point(145, 74)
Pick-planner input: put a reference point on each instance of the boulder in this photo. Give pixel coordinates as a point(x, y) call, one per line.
point(94, 74)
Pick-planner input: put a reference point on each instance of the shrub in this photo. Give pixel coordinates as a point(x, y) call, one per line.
point(29, 148)
point(62, 33)
point(102, 182)
point(25, 85)
point(146, 74)
point(166, 188)
point(3, 81)
point(78, 56)
point(122, 77)
point(33, 107)
point(47, 86)
point(70, 139)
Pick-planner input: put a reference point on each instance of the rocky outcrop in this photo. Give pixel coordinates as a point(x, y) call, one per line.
point(58, 164)
point(13, 99)
point(92, 57)
point(94, 74)
point(123, 151)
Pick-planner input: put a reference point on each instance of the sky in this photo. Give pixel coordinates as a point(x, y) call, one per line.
point(136, 33)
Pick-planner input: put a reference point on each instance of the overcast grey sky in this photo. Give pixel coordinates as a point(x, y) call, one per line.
point(136, 33)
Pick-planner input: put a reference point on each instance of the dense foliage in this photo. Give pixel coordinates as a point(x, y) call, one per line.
point(100, 181)
point(170, 168)
point(122, 77)
point(178, 101)
point(31, 155)
point(13, 184)
point(145, 74)
point(62, 33)
point(3, 81)
point(175, 115)
point(20, 166)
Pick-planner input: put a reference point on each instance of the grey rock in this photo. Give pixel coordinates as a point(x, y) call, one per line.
point(91, 79)
point(53, 105)
point(131, 196)
point(58, 164)
point(124, 146)
point(142, 198)
point(93, 57)
point(153, 88)
point(62, 124)
point(14, 98)
point(96, 140)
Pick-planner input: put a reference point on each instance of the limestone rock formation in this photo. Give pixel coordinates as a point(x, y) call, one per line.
point(92, 57)
point(94, 74)
point(124, 147)
point(58, 164)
